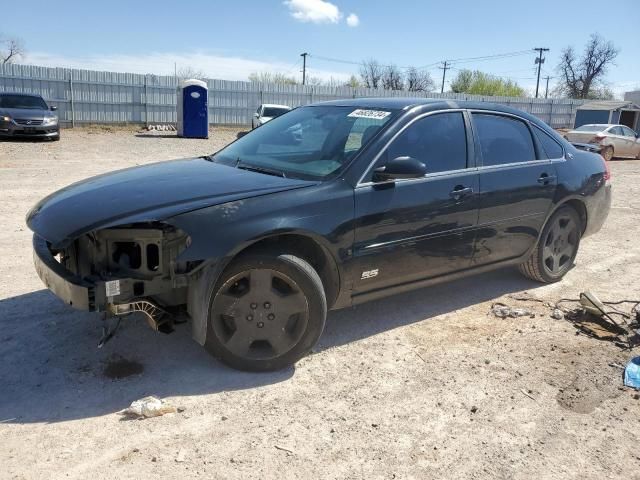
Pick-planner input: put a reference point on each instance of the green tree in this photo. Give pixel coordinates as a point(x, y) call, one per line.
point(480, 83)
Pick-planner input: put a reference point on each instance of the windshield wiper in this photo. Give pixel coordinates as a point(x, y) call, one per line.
point(254, 168)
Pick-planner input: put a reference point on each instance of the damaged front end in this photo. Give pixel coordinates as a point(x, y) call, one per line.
point(119, 270)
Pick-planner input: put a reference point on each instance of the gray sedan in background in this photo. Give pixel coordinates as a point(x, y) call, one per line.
point(613, 140)
point(27, 116)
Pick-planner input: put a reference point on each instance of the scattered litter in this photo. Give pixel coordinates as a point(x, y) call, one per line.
point(557, 314)
point(616, 365)
point(632, 373)
point(162, 128)
point(604, 320)
point(278, 447)
point(528, 394)
point(501, 310)
point(148, 407)
point(182, 456)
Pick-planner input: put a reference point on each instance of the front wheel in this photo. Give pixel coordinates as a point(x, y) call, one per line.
point(557, 247)
point(267, 312)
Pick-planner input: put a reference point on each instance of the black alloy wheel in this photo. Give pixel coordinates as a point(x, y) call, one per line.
point(267, 312)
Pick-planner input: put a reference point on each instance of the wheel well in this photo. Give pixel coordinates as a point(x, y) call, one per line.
point(579, 207)
point(311, 251)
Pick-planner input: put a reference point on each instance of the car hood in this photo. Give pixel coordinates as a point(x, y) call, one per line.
point(148, 193)
point(26, 113)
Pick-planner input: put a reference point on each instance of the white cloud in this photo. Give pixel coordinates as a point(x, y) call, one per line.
point(353, 20)
point(314, 11)
point(160, 63)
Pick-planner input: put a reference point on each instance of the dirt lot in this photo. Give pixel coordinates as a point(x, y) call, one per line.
point(420, 385)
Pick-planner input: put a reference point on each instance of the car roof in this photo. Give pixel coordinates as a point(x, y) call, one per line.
point(21, 94)
point(273, 105)
point(407, 103)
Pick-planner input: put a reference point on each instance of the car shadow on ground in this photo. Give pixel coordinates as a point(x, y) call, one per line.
point(53, 371)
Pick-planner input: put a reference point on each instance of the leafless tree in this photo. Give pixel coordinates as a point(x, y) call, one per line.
point(419, 81)
point(11, 50)
point(392, 78)
point(582, 77)
point(188, 72)
point(371, 73)
point(270, 77)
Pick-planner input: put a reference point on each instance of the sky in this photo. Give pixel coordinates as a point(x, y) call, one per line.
point(231, 39)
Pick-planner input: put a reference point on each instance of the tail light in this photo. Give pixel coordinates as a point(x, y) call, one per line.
point(599, 137)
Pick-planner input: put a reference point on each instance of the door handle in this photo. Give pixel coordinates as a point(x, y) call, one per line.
point(546, 179)
point(460, 191)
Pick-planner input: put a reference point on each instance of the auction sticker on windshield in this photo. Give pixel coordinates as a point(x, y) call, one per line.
point(360, 113)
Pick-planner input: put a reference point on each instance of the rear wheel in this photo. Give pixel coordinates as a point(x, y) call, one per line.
point(607, 153)
point(557, 247)
point(266, 313)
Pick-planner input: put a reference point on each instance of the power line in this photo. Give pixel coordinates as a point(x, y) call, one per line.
point(431, 65)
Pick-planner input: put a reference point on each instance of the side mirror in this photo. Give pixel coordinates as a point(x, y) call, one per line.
point(256, 115)
point(400, 168)
point(53, 109)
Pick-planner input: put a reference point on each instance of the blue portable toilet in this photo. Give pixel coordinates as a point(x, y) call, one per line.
point(193, 109)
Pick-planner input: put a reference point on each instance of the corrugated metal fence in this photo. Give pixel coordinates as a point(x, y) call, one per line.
point(87, 96)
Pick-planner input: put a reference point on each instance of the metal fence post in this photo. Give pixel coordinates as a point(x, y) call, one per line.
point(146, 103)
point(73, 111)
point(551, 114)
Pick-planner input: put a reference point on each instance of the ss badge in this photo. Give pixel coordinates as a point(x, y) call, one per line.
point(369, 274)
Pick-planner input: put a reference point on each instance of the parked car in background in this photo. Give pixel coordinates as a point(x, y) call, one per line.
point(267, 112)
point(377, 196)
point(28, 116)
point(614, 140)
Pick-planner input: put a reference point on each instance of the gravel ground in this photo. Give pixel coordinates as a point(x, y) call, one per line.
point(421, 385)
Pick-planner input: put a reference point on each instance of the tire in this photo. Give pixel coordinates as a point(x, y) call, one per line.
point(607, 153)
point(267, 311)
point(556, 249)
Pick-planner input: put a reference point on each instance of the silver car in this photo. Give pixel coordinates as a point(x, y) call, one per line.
point(614, 140)
point(267, 112)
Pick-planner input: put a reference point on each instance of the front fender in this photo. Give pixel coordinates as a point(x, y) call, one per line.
point(323, 213)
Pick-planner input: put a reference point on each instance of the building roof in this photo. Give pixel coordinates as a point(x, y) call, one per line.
point(608, 105)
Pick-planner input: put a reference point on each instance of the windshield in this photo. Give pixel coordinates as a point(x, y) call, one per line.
point(591, 128)
point(308, 142)
point(274, 111)
point(22, 101)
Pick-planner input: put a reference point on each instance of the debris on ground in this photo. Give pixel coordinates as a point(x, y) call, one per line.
point(557, 314)
point(148, 407)
point(182, 456)
point(603, 320)
point(632, 373)
point(162, 128)
point(501, 310)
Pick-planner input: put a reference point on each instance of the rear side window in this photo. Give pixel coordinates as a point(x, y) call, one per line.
point(503, 139)
point(439, 141)
point(616, 131)
point(551, 147)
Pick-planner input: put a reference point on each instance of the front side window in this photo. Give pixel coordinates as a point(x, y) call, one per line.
point(551, 147)
point(308, 142)
point(503, 139)
point(628, 132)
point(439, 141)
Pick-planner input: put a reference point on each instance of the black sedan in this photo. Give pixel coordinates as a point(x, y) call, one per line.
point(27, 116)
point(324, 207)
